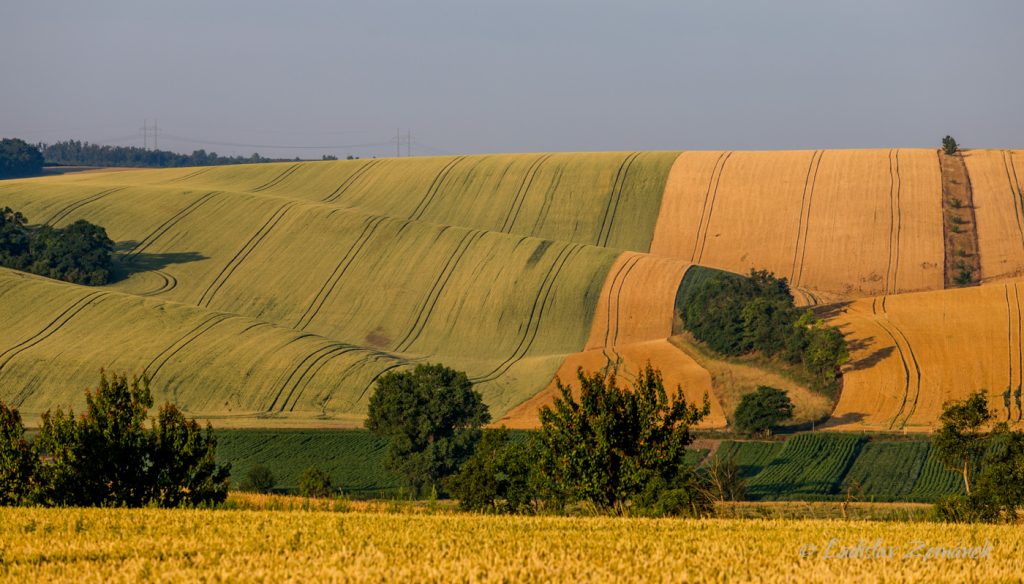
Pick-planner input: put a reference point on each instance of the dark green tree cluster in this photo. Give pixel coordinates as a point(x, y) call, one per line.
point(738, 316)
point(616, 449)
point(762, 410)
point(949, 145)
point(990, 459)
point(108, 457)
point(78, 253)
point(19, 159)
point(78, 153)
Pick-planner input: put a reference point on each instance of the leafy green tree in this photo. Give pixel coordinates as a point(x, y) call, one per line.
point(19, 159)
point(824, 354)
point(431, 417)
point(184, 461)
point(315, 482)
point(949, 145)
point(260, 479)
point(612, 444)
point(497, 478)
point(961, 440)
point(18, 460)
point(762, 410)
point(1001, 480)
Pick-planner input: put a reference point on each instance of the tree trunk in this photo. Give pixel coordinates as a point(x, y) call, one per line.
point(967, 481)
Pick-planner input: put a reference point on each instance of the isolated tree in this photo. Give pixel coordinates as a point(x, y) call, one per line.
point(184, 462)
point(949, 145)
point(824, 354)
point(18, 461)
point(611, 444)
point(762, 410)
point(497, 478)
point(260, 479)
point(431, 417)
point(19, 159)
point(316, 483)
point(961, 440)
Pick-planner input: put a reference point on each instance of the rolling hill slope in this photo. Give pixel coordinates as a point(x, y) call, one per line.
point(514, 268)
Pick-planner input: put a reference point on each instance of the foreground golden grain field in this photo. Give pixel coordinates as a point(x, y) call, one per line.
point(94, 545)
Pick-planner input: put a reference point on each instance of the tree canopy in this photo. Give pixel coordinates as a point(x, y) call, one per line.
point(79, 253)
point(431, 417)
point(19, 159)
point(762, 410)
point(614, 446)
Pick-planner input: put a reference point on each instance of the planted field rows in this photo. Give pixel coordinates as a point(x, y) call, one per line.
point(826, 466)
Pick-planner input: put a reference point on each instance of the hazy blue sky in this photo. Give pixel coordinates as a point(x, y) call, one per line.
point(482, 76)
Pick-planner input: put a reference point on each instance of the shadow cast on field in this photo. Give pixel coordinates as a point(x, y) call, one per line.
point(126, 265)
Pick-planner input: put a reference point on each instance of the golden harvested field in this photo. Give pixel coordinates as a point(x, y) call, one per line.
point(630, 327)
point(997, 179)
point(838, 223)
point(913, 352)
point(117, 545)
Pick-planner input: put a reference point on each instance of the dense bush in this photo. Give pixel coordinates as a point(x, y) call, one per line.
point(108, 457)
point(79, 253)
point(314, 482)
point(432, 419)
point(499, 477)
point(260, 479)
point(621, 449)
point(735, 316)
point(19, 159)
point(762, 410)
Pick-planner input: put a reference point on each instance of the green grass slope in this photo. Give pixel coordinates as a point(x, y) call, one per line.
point(451, 278)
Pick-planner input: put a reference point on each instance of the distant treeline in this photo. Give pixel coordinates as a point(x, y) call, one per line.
point(78, 153)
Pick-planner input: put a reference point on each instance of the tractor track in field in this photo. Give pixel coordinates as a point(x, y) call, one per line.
point(305, 365)
point(904, 350)
point(549, 197)
point(168, 283)
point(243, 253)
point(614, 301)
point(311, 373)
point(1011, 326)
point(611, 207)
point(435, 186)
point(189, 175)
point(1015, 192)
point(895, 223)
point(804, 223)
point(705, 212)
point(52, 327)
point(71, 208)
point(520, 197)
point(351, 180)
point(327, 289)
point(158, 362)
point(277, 180)
point(536, 313)
point(426, 309)
point(166, 226)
